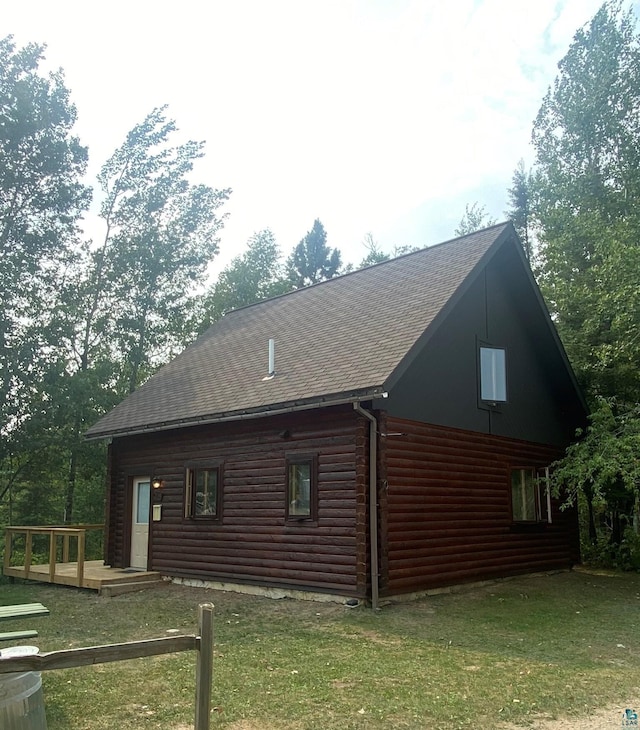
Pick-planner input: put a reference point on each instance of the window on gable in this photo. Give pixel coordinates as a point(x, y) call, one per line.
point(530, 495)
point(203, 491)
point(301, 487)
point(493, 374)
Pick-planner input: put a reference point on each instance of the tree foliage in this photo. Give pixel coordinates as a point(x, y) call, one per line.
point(375, 255)
point(161, 233)
point(132, 300)
point(606, 457)
point(255, 275)
point(475, 217)
point(585, 213)
point(602, 469)
point(520, 211)
point(312, 260)
point(102, 315)
point(41, 199)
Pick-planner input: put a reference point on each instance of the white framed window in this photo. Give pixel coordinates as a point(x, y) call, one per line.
point(493, 374)
point(530, 494)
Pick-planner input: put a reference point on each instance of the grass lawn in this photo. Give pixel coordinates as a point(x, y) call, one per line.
point(505, 654)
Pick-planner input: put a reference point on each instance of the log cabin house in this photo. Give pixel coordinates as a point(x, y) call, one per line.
point(379, 434)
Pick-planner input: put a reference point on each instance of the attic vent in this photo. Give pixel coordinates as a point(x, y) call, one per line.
point(272, 360)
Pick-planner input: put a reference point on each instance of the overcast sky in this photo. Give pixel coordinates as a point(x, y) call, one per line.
point(380, 116)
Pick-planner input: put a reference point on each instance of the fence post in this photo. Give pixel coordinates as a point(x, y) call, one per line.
point(204, 666)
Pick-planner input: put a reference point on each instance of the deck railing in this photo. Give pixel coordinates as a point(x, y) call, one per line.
point(54, 532)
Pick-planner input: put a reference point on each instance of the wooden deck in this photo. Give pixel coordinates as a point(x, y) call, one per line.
point(92, 574)
point(96, 576)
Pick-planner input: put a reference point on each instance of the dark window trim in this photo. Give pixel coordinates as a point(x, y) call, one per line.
point(541, 522)
point(490, 405)
point(291, 459)
point(189, 492)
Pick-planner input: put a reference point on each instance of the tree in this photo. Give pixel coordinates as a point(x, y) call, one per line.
point(587, 211)
point(161, 233)
point(41, 200)
point(255, 275)
point(586, 218)
point(131, 300)
point(475, 217)
point(312, 260)
point(520, 210)
point(602, 466)
point(375, 255)
point(126, 303)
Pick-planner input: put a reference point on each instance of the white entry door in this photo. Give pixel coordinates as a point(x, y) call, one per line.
point(140, 504)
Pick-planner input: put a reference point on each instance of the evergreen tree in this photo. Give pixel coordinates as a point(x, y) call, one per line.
point(520, 210)
point(312, 260)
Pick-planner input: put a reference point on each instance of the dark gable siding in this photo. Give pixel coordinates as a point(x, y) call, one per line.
point(252, 543)
point(447, 510)
point(441, 385)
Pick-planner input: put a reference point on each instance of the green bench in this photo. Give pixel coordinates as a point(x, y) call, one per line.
point(21, 610)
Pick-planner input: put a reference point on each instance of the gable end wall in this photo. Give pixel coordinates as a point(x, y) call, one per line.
point(499, 309)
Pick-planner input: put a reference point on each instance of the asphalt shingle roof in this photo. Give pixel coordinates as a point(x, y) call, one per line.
point(335, 340)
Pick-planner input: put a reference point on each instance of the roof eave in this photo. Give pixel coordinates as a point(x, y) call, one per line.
point(274, 409)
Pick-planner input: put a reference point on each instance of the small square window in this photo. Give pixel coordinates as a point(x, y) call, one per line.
point(493, 375)
point(301, 487)
point(203, 491)
point(530, 497)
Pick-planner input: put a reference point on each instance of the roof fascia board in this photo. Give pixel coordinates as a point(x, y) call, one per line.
point(280, 409)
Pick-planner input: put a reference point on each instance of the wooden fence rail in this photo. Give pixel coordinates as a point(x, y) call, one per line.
point(202, 643)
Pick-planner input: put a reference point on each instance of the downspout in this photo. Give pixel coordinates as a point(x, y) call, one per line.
point(373, 500)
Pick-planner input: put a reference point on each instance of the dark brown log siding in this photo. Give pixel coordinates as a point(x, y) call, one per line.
point(251, 542)
point(447, 509)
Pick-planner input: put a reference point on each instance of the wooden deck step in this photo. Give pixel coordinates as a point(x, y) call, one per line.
point(115, 576)
point(115, 589)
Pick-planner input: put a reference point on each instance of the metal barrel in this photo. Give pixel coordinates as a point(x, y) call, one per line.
point(21, 698)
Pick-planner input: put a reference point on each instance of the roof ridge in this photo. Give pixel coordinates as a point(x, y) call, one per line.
point(366, 268)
